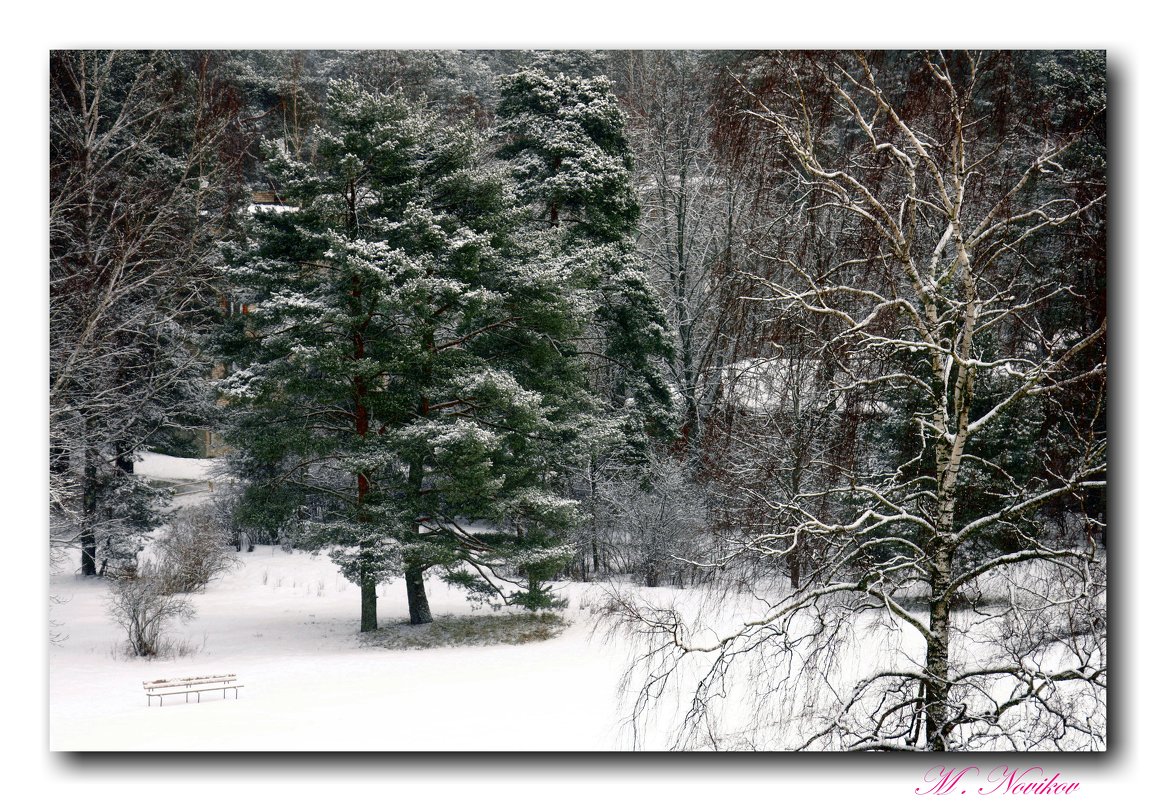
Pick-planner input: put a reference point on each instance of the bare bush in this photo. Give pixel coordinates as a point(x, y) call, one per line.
point(143, 606)
point(194, 551)
point(657, 530)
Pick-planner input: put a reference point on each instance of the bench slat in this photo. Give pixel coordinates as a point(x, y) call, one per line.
point(194, 689)
point(190, 681)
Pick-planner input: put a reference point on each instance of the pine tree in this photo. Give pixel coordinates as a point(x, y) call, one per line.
point(564, 138)
point(401, 360)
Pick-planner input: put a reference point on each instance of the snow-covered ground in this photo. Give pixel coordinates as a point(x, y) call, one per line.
point(171, 468)
point(286, 624)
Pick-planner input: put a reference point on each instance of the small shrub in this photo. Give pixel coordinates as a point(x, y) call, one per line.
point(194, 551)
point(143, 606)
point(144, 601)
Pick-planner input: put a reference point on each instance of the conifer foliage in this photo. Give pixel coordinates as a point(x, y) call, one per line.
point(399, 367)
point(564, 137)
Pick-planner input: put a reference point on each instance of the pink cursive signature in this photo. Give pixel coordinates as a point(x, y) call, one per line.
point(1004, 780)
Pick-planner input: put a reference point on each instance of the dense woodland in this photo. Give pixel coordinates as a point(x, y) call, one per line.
point(823, 329)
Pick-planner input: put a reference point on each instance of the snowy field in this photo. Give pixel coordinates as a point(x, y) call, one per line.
point(286, 624)
point(171, 468)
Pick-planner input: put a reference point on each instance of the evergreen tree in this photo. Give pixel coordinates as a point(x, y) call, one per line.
point(401, 360)
point(564, 138)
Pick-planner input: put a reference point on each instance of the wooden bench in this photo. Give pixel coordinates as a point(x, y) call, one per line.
point(190, 685)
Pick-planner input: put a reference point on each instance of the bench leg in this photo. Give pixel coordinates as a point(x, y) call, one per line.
point(188, 692)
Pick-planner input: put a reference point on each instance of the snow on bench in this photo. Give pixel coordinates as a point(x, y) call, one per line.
point(159, 688)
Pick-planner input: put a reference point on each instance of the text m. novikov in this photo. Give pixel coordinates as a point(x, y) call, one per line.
point(1004, 780)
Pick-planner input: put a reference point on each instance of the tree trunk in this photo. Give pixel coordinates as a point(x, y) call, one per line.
point(419, 612)
point(124, 466)
point(368, 583)
point(87, 553)
point(367, 577)
point(88, 526)
point(937, 710)
point(124, 461)
point(593, 519)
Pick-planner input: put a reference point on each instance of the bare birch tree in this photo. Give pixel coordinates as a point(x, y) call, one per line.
point(954, 200)
point(140, 146)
